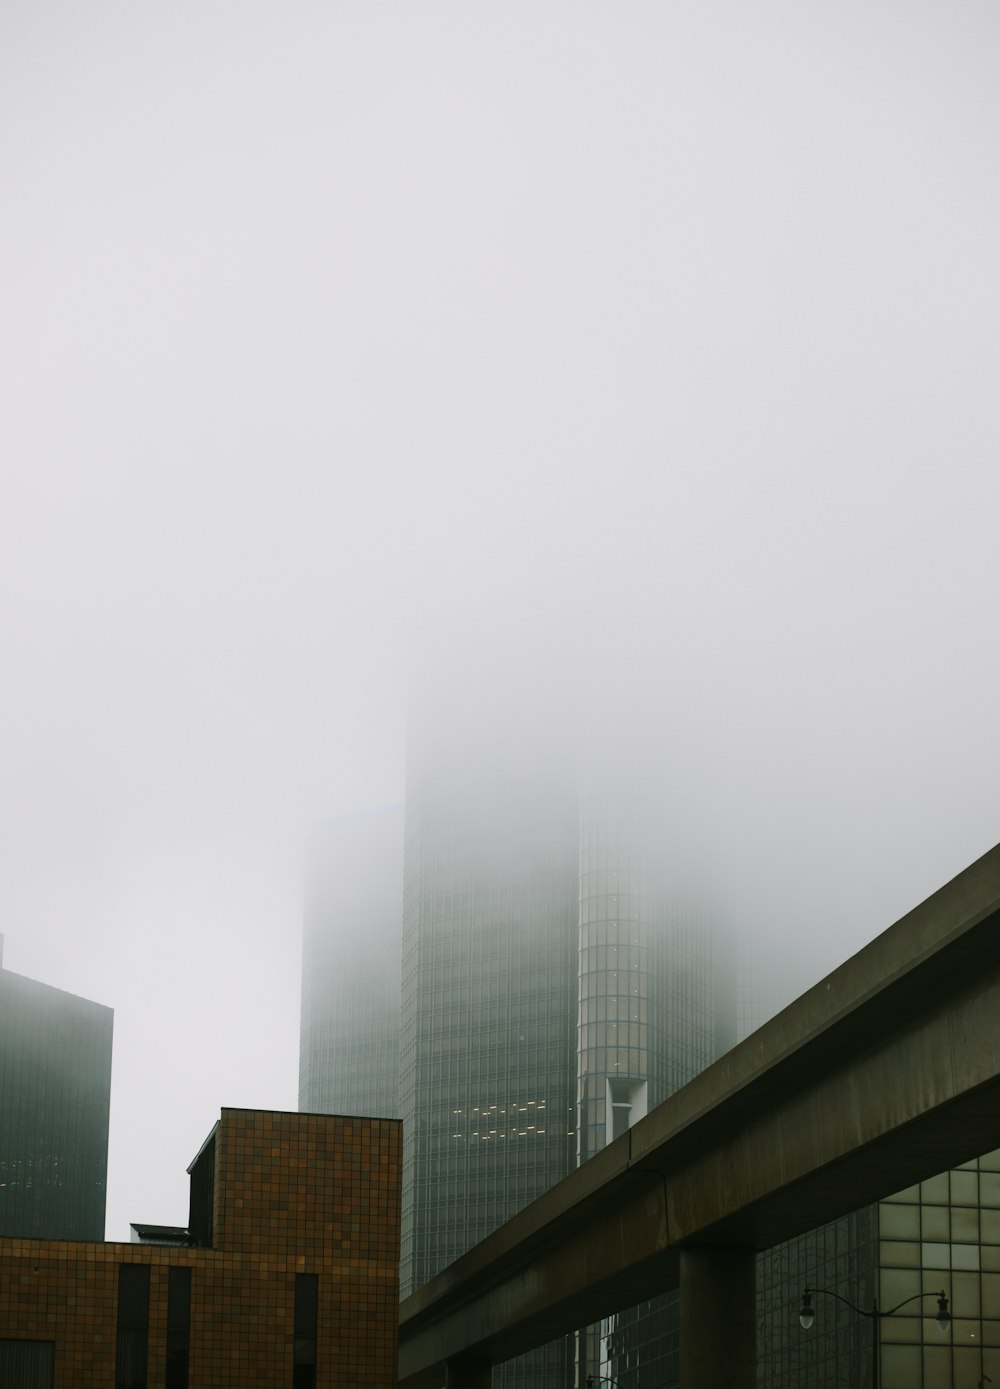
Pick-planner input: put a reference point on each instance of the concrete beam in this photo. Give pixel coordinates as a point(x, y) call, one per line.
point(718, 1330)
point(467, 1374)
point(884, 1073)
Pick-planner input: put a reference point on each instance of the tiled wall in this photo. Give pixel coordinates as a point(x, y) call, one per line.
point(294, 1194)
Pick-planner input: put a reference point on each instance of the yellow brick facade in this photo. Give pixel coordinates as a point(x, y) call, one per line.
point(293, 1193)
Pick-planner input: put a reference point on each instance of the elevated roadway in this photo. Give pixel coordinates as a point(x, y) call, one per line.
point(884, 1073)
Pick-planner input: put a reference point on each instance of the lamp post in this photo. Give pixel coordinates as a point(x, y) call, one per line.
point(602, 1379)
point(807, 1316)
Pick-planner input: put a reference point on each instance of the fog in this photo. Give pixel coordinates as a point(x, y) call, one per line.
point(651, 347)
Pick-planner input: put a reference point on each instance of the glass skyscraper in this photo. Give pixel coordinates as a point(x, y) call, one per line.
point(55, 1096)
point(648, 1009)
point(558, 978)
point(489, 1009)
point(349, 1032)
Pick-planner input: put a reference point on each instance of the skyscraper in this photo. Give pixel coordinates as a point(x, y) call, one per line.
point(488, 1081)
point(561, 974)
point(557, 980)
point(349, 1035)
point(55, 1095)
point(654, 1002)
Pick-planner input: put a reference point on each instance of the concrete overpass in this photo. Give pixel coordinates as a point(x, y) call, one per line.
point(884, 1073)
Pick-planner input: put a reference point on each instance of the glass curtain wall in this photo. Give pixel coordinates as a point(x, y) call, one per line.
point(943, 1233)
point(646, 1021)
point(55, 1098)
point(349, 1032)
point(489, 1012)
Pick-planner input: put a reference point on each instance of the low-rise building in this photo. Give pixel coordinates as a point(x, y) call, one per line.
point(286, 1274)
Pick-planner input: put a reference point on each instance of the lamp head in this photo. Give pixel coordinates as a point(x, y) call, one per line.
point(807, 1314)
point(943, 1315)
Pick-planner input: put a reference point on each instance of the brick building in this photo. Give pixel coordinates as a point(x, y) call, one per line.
point(286, 1275)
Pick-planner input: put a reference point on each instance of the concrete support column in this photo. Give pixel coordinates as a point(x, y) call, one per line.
point(468, 1374)
point(718, 1318)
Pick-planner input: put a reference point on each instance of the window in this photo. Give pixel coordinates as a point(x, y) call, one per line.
point(304, 1358)
point(178, 1327)
point(133, 1326)
point(27, 1364)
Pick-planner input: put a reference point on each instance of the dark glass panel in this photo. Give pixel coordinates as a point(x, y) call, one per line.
point(133, 1327)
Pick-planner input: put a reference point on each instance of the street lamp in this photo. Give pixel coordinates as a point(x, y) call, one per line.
point(807, 1315)
point(602, 1379)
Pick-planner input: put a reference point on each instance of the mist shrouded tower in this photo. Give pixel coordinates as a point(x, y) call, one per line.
point(557, 977)
point(489, 986)
point(647, 999)
point(554, 972)
point(650, 998)
point(349, 1034)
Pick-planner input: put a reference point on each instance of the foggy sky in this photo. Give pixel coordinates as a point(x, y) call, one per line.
point(666, 333)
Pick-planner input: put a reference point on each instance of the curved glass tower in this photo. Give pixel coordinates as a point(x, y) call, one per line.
point(648, 1002)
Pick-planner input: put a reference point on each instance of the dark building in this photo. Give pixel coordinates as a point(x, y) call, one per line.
point(489, 1020)
point(488, 1081)
point(349, 1037)
point(55, 1094)
point(943, 1233)
point(286, 1274)
point(559, 966)
point(558, 979)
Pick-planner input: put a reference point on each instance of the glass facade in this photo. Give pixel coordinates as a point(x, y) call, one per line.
point(489, 1016)
point(349, 1037)
point(55, 1094)
point(178, 1328)
point(559, 978)
point(489, 1026)
point(647, 1017)
point(836, 1352)
point(132, 1331)
point(942, 1234)
point(557, 982)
